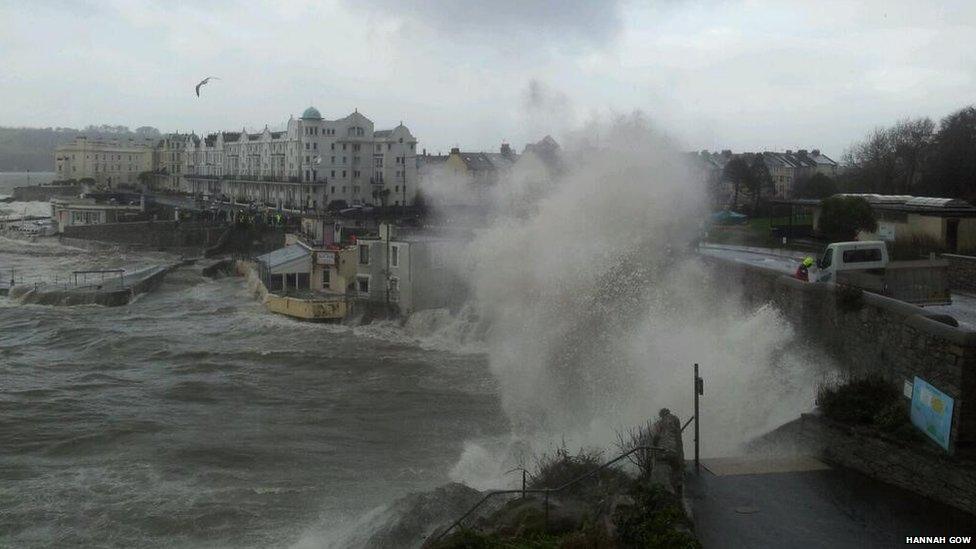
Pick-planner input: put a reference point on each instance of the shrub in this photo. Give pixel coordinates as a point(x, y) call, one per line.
point(858, 401)
point(553, 470)
point(657, 520)
point(841, 217)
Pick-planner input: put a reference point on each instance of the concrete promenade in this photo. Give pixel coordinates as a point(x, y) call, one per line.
point(746, 507)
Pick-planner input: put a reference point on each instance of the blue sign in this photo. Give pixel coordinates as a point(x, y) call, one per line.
point(932, 411)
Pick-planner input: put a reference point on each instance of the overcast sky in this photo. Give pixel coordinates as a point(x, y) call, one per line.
point(744, 75)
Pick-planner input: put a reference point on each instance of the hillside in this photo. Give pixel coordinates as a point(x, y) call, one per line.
point(32, 149)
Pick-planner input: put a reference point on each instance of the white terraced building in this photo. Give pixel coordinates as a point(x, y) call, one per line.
point(311, 164)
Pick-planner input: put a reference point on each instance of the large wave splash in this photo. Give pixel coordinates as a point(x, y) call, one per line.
point(598, 311)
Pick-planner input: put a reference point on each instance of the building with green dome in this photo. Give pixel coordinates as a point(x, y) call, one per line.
point(311, 163)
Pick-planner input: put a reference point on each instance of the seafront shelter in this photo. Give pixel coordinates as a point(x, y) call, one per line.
point(287, 268)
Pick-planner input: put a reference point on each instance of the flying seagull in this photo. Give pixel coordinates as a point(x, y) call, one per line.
point(204, 81)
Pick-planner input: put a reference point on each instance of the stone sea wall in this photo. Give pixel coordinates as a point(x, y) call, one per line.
point(962, 272)
point(868, 333)
point(43, 193)
point(920, 470)
point(149, 234)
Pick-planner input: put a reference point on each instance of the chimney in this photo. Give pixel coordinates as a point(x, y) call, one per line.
point(802, 152)
point(727, 152)
point(455, 150)
point(506, 150)
point(425, 151)
point(815, 152)
point(789, 151)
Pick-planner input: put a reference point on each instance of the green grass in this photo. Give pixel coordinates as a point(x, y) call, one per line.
point(756, 232)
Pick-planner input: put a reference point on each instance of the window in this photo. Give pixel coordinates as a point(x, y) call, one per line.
point(378, 161)
point(333, 160)
point(333, 148)
point(396, 189)
point(362, 284)
point(343, 173)
point(326, 278)
point(394, 288)
point(306, 146)
point(827, 259)
point(355, 147)
point(333, 187)
point(315, 145)
point(364, 254)
point(862, 256)
point(394, 256)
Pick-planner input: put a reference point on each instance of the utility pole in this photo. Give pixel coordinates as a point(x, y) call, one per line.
point(699, 390)
point(387, 263)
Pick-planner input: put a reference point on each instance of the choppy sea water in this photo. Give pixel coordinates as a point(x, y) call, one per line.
point(194, 418)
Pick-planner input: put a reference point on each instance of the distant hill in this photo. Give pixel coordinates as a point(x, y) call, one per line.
point(32, 149)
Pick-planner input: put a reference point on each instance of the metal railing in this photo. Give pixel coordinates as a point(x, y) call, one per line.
point(545, 491)
point(699, 385)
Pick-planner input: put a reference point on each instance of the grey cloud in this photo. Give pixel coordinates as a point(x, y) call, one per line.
point(572, 21)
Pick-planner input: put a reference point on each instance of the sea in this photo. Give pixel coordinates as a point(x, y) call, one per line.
point(192, 417)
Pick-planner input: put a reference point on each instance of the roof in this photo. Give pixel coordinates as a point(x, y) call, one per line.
point(230, 137)
point(311, 113)
point(284, 255)
point(382, 133)
point(921, 204)
point(478, 161)
point(500, 161)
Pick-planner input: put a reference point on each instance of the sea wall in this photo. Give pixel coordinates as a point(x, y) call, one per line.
point(110, 294)
point(962, 272)
point(867, 333)
point(149, 234)
point(43, 193)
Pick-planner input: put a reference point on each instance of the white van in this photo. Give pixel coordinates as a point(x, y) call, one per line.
point(851, 256)
point(865, 265)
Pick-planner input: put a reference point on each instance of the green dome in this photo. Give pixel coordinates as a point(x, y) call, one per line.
point(311, 113)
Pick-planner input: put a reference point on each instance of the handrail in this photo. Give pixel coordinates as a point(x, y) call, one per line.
point(545, 491)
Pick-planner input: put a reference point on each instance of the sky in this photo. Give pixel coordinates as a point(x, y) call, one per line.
point(739, 74)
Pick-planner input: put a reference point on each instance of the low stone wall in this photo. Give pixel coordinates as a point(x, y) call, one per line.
point(868, 333)
point(43, 193)
point(962, 272)
point(920, 470)
point(149, 234)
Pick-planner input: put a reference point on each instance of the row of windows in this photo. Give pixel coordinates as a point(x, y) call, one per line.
point(394, 255)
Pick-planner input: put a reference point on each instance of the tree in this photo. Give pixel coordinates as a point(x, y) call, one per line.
point(890, 160)
point(738, 173)
point(871, 163)
point(841, 217)
point(911, 140)
point(146, 180)
point(951, 169)
point(760, 181)
point(816, 186)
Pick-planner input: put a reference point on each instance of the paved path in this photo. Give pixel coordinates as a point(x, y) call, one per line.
point(829, 507)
